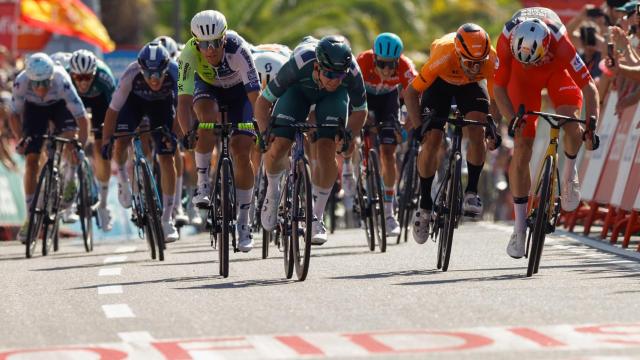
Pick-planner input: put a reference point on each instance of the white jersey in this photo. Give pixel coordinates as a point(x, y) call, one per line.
point(61, 88)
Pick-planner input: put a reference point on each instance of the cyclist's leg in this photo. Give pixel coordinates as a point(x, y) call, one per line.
point(206, 109)
point(128, 120)
point(34, 123)
point(473, 101)
point(567, 100)
point(66, 126)
point(102, 167)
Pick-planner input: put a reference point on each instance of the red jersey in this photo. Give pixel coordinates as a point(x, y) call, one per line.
point(374, 85)
point(560, 56)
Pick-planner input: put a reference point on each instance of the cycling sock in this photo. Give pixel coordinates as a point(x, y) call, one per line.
point(177, 201)
point(273, 185)
point(104, 193)
point(569, 169)
point(167, 209)
point(389, 194)
point(243, 204)
point(474, 177)
point(203, 162)
point(426, 203)
point(123, 175)
point(320, 197)
point(520, 209)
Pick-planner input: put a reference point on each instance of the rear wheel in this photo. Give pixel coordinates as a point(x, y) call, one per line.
point(302, 207)
point(153, 210)
point(377, 200)
point(407, 191)
point(541, 218)
point(451, 214)
point(364, 209)
point(85, 209)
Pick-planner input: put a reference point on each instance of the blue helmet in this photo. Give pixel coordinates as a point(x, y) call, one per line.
point(39, 67)
point(388, 45)
point(154, 58)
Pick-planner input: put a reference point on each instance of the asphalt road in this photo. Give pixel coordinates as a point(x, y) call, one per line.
point(116, 303)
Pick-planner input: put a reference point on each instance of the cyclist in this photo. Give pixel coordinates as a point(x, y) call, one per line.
point(147, 87)
point(386, 74)
point(41, 92)
point(169, 44)
point(95, 84)
point(216, 68)
point(62, 58)
point(535, 52)
point(320, 73)
point(460, 63)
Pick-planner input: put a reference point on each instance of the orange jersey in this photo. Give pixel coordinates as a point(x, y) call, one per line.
point(445, 64)
point(405, 72)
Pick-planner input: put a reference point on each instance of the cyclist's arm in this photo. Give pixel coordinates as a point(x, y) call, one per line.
point(17, 104)
point(357, 99)
point(186, 85)
point(109, 127)
point(579, 72)
point(501, 78)
point(286, 77)
point(185, 102)
point(117, 102)
point(75, 106)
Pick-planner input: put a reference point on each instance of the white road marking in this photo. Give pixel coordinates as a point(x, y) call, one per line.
point(136, 337)
point(116, 311)
point(126, 249)
point(115, 259)
point(114, 271)
point(109, 289)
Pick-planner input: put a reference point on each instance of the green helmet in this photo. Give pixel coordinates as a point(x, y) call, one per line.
point(333, 53)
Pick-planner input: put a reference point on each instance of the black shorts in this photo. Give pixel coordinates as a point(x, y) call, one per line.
point(159, 113)
point(36, 118)
point(98, 106)
point(438, 98)
point(386, 109)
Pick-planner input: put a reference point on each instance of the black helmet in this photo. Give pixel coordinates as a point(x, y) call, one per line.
point(333, 53)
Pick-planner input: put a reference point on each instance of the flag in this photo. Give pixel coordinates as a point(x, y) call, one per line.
point(67, 17)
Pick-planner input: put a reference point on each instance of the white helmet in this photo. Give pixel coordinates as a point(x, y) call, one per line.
point(169, 44)
point(530, 40)
point(62, 58)
point(208, 25)
point(39, 67)
point(268, 64)
point(83, 62)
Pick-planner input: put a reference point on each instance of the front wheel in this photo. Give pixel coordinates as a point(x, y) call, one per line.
point(153, 209)
point(302, 216)
point(37, 211)
point(226, 207)
point(376, 194)
point(451, 214)
point(85, 209)
point(540, 217)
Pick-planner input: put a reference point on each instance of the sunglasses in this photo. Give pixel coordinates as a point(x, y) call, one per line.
point(82, 77)
point(333, 74)
point(148, 74)
point(41, 83)
point(472, 64)
point(215, 43)
point(391, 64)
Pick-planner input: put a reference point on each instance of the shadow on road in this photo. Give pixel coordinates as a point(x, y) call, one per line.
point(241, 284)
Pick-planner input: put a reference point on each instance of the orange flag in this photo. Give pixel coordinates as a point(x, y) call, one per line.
point(67, 17)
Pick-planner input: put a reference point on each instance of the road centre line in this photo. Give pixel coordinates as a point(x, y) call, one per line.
point(113, 271)
point(117, 311)
point(115, 259)
point(126, 249)
point(109, 289)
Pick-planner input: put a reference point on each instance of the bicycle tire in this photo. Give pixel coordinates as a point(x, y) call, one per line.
point(405, 190)
point(85, 209)
point(223, 245)
point(540, 221)
point(451, 215)
point(51, 219)
point(153, 210)
point(365, 212)
point(302, 213)
point(36, 216)
point(285, 228)
point(377, 202)
point(331, 211)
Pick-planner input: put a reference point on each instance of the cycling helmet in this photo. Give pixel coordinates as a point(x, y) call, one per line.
point(268, 63)
point(62, 58)
point(530, 40)
point(169, 44)
point(472, 42)
point(388, 45)
point(39, 67)
point(153, 58)
point(208, 25)
point(83, 62)
point(333, 53)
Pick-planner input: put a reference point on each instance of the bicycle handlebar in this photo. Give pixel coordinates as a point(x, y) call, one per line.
point(161, 129)
point(460, 121)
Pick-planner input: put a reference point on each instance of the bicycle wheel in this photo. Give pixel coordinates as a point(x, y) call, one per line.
point(406, 191)
point(331, 208)
point(377, 200)
point(364, 210)
point(540, 216)
point(85, 209)
point(285, 227)
point(451, 214)
point(226, 207)
point(302, 207)
point(51, 218)
point(37, 211)
point(153, 210)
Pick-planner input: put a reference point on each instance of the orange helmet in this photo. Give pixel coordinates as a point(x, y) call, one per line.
point(472, 42)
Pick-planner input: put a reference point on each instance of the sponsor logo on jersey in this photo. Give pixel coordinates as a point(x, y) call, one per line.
point(577, 63)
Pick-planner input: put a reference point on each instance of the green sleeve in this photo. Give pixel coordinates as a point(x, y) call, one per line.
point(186, 70)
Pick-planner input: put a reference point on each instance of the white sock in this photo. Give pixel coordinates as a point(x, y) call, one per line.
point(320, 197)
point(273, 185)
point(123, 174)
point(243, 203)
point(178, 194)
point(167, 206)
point(203, 162)
point(347, 167)
point(520, 210)
point(104, 193)
point(569, 168)
point(389, 194)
